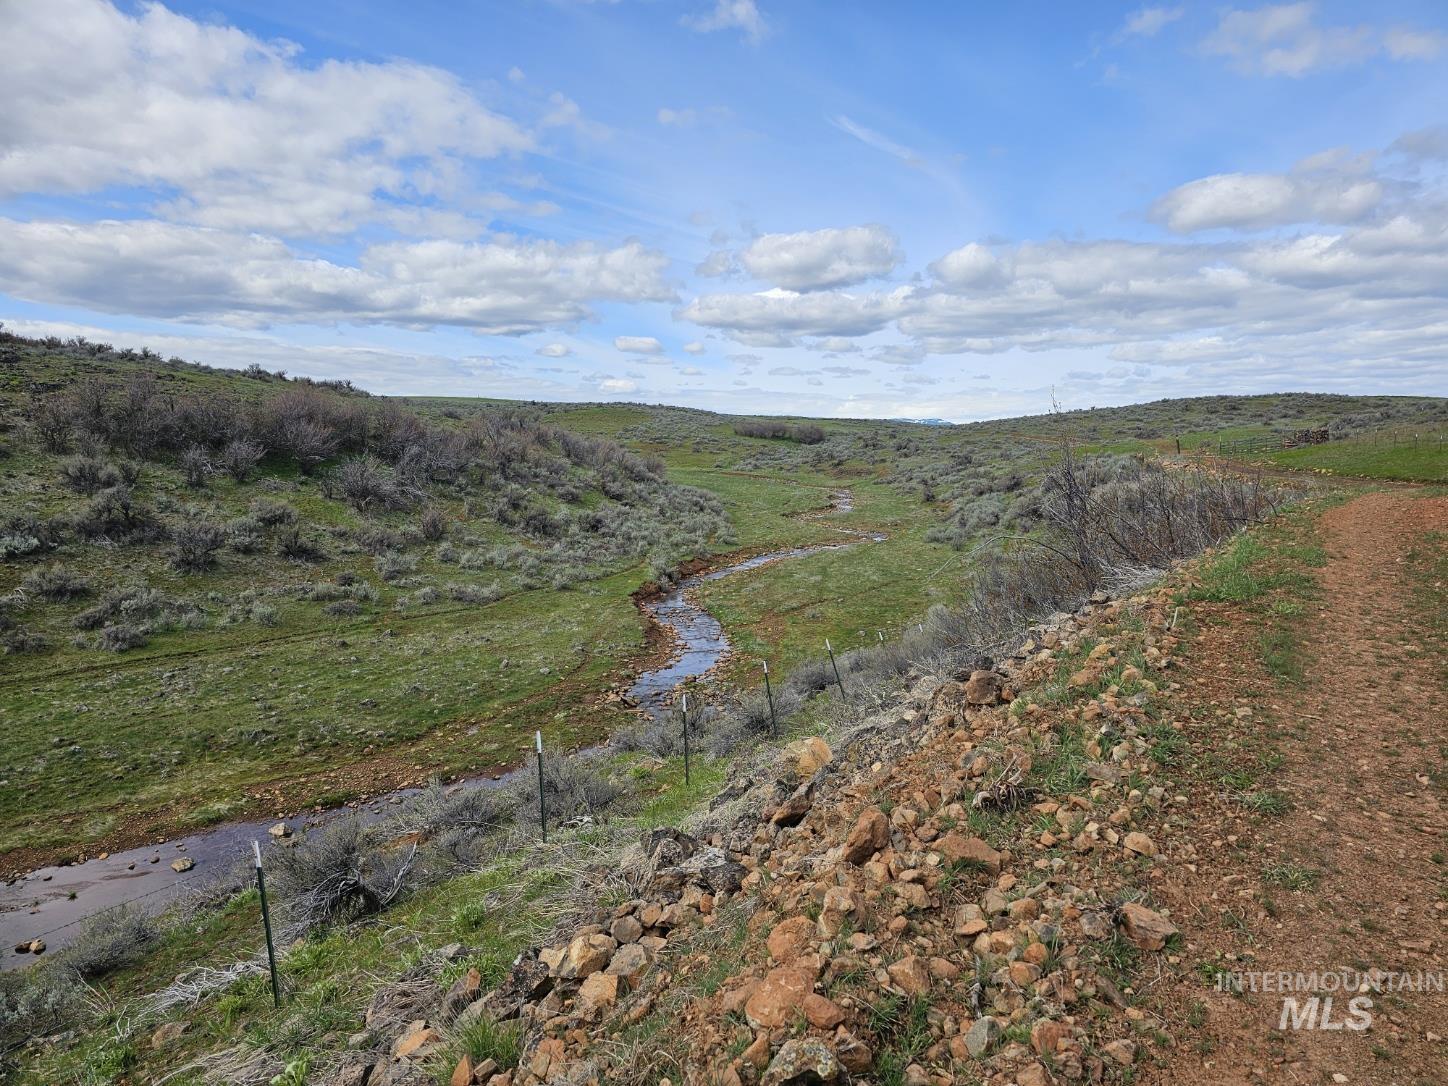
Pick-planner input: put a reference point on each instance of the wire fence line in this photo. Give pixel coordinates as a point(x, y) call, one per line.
point(1417, 437)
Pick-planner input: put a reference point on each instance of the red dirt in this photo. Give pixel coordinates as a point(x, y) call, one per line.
point(1364, 735)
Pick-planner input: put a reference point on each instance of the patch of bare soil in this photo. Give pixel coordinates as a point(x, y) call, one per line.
point(1351, 878)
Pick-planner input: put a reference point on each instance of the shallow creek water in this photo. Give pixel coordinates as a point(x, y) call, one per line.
point(51, 902)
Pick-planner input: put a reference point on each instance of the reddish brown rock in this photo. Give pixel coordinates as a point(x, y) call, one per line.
point(911, 975)
point(1145, 929)
point(790, 938)
point(1047, 1034)
point(984, 688)
point(822, 1013)
point(870, 834)
point(416, 1042)
point(972, 851)
point(778, 998)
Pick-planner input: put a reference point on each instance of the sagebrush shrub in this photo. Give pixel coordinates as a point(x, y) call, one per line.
point(294, 544)
point(110, 940)
point(245, 535)
point(394, 566)
point(115, 513)
point(194, 544)
point(271, 513)
point(121, 638)
point(367, 483)
point(55, 583)
point(433, 524)
point(195, 465)
point(19, 640)
point(240, 457)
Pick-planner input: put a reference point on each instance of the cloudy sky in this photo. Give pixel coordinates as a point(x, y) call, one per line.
point(836, 208)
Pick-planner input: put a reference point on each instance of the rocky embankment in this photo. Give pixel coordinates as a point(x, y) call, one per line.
point(959, 884)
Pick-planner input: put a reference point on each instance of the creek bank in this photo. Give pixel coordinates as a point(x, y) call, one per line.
point(55, 899)
point(854, 870)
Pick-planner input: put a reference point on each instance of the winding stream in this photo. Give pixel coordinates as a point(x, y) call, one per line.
point(50, 903)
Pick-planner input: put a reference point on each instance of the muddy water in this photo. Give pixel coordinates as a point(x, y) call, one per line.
point(51, 903)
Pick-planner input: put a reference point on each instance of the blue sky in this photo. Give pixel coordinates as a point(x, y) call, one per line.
point(820, 208)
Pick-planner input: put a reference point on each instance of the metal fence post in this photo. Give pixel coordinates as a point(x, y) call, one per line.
point(838, 681)
point(769, 693)
point(685, 714)
point(542, 802)
point(271, 950)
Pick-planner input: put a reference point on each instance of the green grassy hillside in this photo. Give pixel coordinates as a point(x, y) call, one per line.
point(398, 588)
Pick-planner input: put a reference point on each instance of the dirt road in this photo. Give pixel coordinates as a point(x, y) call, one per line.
point(1353, 877)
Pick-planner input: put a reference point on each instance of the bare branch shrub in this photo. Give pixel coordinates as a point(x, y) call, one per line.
point(194, 544)
point(367, 483)
point(195, 465)
point(240, 457)
point(337, 874)
point(115, 513)
point(110, 940)
point(55, 583)
point(433, 524)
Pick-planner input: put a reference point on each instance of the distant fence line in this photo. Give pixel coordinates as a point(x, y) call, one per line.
point(1291, 439)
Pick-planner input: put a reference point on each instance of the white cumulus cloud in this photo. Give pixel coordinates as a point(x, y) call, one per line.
point(820, 259)
point(230, 130)
point(504, 286)
point(1253, 201)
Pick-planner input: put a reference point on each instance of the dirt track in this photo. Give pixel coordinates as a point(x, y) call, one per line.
point(1363, 748)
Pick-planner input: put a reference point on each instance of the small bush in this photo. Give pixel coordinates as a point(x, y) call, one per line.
point(471, 593)
point(240, 457)
point(253, 611)
point(109, 941)
point(82, 474)
point(55, 583)
point(244, 535)
point(367, 483)
point(337, 873)
point(122, 638)
point(19, 641)
point(194, 545)
point(16, 545)
point(433, 524)
point(195, 465)
point(35, 1003)
point(273, 513)
point(343, 608)
point(394, 566)
point(141, 606)
point(298, 547)
point(115, 513)
point(377, 540)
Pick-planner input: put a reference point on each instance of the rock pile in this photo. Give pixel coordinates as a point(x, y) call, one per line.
point(952, 886)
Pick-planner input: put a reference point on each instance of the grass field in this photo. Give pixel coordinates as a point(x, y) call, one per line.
point(274, 684)
point(1426, 462)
